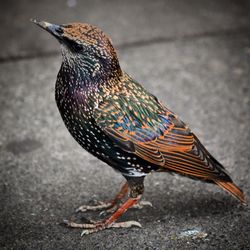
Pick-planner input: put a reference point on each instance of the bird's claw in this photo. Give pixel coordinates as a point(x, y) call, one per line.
point(109, 210)
point(126, 224)
point(66, 222)
point(86, 232)
point(103, 213)
point(142, 204)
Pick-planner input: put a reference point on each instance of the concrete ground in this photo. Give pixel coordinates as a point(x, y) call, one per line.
point(194, 55)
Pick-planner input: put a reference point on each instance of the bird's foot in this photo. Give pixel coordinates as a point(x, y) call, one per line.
point(142, 204)
point(113, 207)
point(109, 210)
point(108, 207)
point(94, 227)
point(101, 205)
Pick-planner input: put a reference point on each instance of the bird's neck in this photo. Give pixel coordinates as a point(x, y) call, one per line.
point(81, 74)
point(90, 70)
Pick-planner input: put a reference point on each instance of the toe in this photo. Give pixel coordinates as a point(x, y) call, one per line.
point(126, 224)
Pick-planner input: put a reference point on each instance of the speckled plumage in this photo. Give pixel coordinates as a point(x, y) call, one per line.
point(114, 118)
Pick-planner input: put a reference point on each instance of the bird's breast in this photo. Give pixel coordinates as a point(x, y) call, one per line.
point(76, 109)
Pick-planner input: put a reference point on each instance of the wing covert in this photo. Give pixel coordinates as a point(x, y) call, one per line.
point(139, 124)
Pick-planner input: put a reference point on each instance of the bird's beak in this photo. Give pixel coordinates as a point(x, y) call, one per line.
point(54, 29)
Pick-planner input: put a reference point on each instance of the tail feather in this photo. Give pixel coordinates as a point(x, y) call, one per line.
point(232, 189)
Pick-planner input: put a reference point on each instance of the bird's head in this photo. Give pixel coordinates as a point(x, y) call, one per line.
point(85, 46)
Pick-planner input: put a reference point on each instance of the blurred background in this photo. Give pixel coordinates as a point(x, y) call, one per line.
point(194, 55)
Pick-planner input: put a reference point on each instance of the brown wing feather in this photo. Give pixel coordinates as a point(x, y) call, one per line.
point(177, 150)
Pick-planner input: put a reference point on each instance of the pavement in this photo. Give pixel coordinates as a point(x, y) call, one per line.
point(194, 55)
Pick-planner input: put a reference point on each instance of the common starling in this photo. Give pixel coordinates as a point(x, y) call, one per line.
point(114, 118)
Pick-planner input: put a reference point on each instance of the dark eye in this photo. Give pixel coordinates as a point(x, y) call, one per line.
point(74, 45)
point(78, 46)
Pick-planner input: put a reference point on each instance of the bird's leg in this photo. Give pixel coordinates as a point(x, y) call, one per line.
point(139, 205)
point(110, 222)
point(109, 205)
point(136, 190)
point(118, 198)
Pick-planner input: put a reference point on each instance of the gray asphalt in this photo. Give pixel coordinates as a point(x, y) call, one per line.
point(194, 55)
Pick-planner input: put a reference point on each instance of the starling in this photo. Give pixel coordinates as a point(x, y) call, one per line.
point(115, 119)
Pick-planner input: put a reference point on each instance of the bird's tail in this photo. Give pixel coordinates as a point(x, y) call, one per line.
point(232, 189)
point(224, 180)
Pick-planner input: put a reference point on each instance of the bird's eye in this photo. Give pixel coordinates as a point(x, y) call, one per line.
point(78, 46)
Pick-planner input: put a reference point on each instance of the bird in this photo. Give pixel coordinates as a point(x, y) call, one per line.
point(117, 120)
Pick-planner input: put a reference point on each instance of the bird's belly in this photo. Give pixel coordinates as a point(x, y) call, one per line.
point(95, 141)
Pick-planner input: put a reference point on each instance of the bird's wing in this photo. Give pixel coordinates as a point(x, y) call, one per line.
point(136, 122)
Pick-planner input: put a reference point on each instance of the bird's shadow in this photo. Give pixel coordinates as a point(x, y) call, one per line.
point(193, 208)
